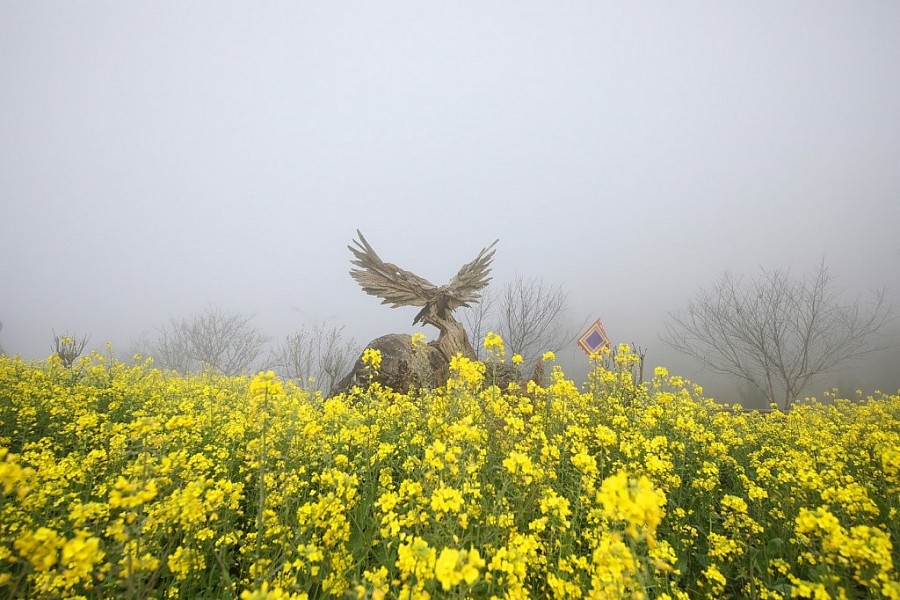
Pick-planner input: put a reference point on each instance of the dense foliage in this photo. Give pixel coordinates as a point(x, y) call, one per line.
point(127, 481)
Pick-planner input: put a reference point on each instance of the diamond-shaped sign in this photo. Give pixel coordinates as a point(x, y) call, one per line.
point(594, 338)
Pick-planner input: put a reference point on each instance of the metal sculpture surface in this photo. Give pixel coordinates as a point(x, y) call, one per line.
point(398, 287)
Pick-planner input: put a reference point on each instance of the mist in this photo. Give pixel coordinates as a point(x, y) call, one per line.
point(156, 157)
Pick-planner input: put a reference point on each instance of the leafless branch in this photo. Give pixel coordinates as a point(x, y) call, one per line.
point(776, 332)
point(478, 320)
point(316, 357)
point(212, 339)
point(528, 314)
point(68, 347)
point(531, 314)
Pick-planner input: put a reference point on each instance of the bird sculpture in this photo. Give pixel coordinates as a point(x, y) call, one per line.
point(398, 287)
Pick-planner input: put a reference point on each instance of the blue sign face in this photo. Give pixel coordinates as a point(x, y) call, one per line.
point(595, 340)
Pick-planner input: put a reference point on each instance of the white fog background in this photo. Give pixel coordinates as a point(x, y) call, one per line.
point(156, 157)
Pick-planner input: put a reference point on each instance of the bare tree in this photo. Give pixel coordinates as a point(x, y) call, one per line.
point(479, 319)
point(139, 346)
point(776, 332)
point(528, 314)
point(316, 357)
point(211, 339)
point(68, 347)
point(531, 317)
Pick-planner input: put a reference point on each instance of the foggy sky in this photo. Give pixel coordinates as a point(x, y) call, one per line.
point(159, 156)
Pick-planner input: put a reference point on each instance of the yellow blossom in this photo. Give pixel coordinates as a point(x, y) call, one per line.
point(633, 501)
point(40, 547)
point(445, 499)
point(372, 358)
point(269, 593)
point(185, 560)
point(470, 373)
point(125, 477)
point(493, 343)
point(453, 567)
point(266, 384)
point(416, 559)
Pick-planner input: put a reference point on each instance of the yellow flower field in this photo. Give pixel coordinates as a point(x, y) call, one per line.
point(123, 480)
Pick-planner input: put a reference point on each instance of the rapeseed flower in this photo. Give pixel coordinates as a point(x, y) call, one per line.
point(126, 479)
point(185, 560)
point(634, 502)
point(493, 343)
point(518, 463)
point(446, 500)
point(416, 559)
point(468, 373)
point(454, 566)
point(372, 358)
point(79, 557)
point(41, 547)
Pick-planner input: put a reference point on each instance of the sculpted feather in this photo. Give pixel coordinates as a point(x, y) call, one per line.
point(398, 287)
point(387, 281)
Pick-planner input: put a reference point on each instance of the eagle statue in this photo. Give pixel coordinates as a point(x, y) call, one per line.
point(398, 287)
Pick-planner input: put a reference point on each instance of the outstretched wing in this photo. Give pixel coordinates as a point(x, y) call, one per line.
point(466, 286)
point(389, 282)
